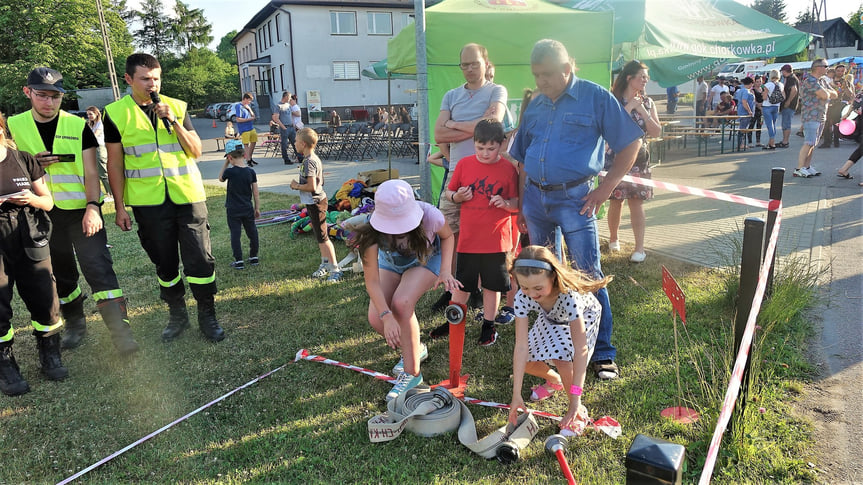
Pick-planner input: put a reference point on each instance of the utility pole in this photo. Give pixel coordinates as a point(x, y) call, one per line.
point(819, 7)
point(424, 138)
point(112, 73)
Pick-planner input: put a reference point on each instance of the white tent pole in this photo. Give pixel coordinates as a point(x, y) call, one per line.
point(422, 99)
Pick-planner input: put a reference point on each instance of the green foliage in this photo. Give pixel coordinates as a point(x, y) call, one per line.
point(804, 17)
point(854, 20)
point(200, 77)
point(771, 8)
point(190, 29)
point(226, 50)
point(154, 35)
point(62, 34)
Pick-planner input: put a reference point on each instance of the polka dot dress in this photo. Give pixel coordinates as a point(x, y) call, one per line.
point(549, 338)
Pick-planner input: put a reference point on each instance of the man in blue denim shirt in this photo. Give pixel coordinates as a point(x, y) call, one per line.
point(561, 146)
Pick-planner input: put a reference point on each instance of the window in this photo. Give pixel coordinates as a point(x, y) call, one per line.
point(278, 30)
point(343, 23)
point(346, 70)
point(269, 33)
point(380, 23)
point(282, 74)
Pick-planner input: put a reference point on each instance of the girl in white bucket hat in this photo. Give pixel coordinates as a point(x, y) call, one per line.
point(407, 249)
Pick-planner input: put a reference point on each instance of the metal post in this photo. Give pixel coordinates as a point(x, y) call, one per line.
point(109, 56)
point(777, 175)
point(750, 262)
point(424, 137)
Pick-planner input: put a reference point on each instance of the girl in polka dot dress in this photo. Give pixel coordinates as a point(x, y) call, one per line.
point(564, 333)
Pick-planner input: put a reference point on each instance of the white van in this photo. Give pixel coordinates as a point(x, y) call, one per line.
point(741, 70)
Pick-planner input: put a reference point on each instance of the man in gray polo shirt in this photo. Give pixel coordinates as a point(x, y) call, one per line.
point(461, 109)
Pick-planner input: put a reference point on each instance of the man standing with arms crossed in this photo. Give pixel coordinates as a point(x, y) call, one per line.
point(65, 147)
point(461, 109)
point(561, 148)
point(283, 117)
point(152, 147)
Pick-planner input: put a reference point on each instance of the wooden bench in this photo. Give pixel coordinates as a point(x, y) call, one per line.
point(220, 144)
point(702, 136)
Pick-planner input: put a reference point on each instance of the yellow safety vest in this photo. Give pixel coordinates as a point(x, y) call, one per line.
point(154, 160)
point(65, 180)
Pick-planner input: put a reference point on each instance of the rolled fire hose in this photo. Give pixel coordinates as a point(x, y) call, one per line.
point(429, 412)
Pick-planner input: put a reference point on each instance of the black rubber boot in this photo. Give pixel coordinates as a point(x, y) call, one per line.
point(49, 357)
point(76, 323)
point(117, 320)
point(178, 322)
point(11, 381)
point(207, 320)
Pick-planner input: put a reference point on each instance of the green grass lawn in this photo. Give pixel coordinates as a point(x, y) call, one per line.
point(307, 423)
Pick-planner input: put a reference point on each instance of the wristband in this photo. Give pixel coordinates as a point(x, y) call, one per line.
point(575, 390)
point(384, 313)
point(94, 202)
point(452, 198)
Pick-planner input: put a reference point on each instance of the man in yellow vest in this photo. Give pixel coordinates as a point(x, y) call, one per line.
point(66, 148)
point(152, 147)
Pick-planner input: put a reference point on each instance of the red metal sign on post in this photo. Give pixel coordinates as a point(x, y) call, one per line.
point(675, 294)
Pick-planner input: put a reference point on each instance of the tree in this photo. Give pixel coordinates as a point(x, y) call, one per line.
point(226, 50)
point(805, 17)
point(855, 21)
point(200, 77)
point(771, 8)
point(62, 34)
point(155, 32)
point(190, 29)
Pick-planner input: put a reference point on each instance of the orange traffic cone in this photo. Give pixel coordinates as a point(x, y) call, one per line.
point(214, 122)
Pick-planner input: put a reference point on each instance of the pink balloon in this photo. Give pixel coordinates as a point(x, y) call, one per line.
point(847, 127)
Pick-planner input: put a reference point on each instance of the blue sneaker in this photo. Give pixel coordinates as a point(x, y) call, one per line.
point(400, 367)
point(506, 316)
point(404, 382)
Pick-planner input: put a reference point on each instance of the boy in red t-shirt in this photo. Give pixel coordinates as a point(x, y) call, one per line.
point(486, 186)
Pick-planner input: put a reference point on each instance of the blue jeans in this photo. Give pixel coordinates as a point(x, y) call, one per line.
point(771, 114)
point(787, 114)
point(289, 136)
point(546, 210)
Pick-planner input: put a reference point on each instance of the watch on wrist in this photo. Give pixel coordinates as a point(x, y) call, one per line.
point(174, 122)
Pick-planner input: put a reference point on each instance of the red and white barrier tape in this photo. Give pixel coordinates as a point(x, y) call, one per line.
point(742, 355)
point(771, 205)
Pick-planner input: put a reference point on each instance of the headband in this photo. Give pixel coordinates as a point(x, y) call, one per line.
point(532, 263)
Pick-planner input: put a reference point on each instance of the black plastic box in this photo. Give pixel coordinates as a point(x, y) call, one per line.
point(652, 461)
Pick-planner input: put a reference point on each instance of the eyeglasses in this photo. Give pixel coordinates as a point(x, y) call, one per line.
point(820, 65)
point(464, 66)
point(46, 98)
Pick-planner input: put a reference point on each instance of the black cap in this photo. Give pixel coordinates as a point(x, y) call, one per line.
point(46, 79)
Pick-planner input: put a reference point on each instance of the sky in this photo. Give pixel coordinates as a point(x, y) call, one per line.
point(225, 17)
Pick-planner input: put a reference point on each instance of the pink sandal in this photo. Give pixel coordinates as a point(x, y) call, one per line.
point(544, 391)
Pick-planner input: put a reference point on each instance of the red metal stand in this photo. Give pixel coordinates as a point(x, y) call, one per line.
point(455, 315)
point(556, 445)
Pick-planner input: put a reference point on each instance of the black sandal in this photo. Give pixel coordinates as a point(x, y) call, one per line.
point(605, 370)
point(846, 176)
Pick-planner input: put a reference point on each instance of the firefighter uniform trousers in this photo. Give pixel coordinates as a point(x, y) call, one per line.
point(162, 229)
point(33, 278)
point(68, 243)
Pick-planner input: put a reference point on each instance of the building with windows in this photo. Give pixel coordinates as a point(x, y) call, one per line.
point(318, 49)
point(839, 39)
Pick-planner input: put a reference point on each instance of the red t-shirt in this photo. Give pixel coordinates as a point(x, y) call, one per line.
point(483, 227)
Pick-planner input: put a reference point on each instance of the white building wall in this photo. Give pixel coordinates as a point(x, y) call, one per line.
point(315, 49)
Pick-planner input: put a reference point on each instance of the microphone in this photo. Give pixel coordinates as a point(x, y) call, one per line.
point(154, 96)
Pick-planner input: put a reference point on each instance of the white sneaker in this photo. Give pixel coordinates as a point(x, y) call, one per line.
point(801, 172)
point(812, 171)
point(638, 257)
point(323, 270)
point(614, 246)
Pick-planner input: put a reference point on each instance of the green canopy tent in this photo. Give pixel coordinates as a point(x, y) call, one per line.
point(380, 71)
point(682, 39)
point(508, 30)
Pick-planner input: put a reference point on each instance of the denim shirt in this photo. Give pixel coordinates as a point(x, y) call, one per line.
point(564, 141)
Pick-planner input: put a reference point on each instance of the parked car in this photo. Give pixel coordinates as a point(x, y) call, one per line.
point(211, 111)
point(226, 112)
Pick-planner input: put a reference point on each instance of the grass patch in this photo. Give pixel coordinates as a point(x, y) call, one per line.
point(307, 423)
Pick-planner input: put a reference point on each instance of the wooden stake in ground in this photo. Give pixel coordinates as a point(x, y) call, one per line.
point(678, 307)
